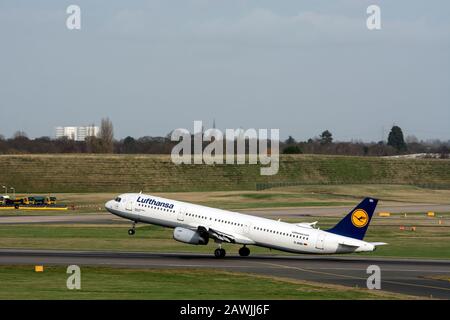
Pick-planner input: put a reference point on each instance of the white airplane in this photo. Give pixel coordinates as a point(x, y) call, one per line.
point(195, 224)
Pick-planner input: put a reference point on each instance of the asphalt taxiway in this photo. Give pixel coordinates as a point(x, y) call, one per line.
point(105, 217)
point(407, 276)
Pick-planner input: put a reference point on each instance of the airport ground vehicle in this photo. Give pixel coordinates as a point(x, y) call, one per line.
point(50, 200)
point(28, 201)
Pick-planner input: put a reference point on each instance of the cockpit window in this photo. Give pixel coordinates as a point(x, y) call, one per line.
point(117, 199)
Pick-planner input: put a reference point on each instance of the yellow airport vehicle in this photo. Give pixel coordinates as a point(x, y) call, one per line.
point(50, 200)
point(30, 203)
point(27, 200)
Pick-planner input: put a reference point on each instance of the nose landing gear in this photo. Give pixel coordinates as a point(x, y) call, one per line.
point(219, 253)
point(132, 231)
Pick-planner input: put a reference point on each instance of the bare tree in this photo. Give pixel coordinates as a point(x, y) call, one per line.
point(20, 135)
point(411, 139)
point(106, 136)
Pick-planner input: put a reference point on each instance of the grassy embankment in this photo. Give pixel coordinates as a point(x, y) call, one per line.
point(156, 173)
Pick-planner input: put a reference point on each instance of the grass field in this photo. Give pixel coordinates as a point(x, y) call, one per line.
point(430, 240)
point(156, 173)
point(298, 196)
point(21, 282)
point(88, 181)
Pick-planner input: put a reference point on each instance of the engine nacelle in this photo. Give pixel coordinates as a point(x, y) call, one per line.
point(190, 236)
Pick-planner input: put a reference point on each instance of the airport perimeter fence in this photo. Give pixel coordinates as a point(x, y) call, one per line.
point(270, 185)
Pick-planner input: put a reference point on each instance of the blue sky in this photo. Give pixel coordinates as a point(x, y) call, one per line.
point(300, 66)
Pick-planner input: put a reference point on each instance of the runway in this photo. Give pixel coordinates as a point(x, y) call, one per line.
point(407, 276)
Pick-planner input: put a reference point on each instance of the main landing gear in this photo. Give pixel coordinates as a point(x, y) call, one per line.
point(244, 251)
point(220, 253)
point(132, 231)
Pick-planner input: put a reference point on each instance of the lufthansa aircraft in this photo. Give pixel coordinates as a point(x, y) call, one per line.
point(195, 224)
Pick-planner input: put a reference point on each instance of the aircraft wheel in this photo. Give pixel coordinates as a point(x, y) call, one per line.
point(219, 253)
point(131, 232)
point(244, 252)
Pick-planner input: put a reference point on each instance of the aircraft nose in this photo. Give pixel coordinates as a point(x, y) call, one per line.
point(108, 205)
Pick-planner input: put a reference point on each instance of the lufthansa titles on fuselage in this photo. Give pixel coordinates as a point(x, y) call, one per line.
point(154, 202)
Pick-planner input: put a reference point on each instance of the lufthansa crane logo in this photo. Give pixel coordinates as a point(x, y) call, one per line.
point(360, 218)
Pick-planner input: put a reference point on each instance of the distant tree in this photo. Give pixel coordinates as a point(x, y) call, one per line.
point(93, 145)
point(106, 136)
point(411, 139)
point(444, 151)
point(290, 140)
point(20, 135)
point(396, 140)
point(365, 150)
point(326, 137)
point(129, 145)
point(292, 150)
point(43, 139)
point(65, 145)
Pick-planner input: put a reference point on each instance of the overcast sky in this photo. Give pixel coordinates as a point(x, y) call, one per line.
point(300, 66)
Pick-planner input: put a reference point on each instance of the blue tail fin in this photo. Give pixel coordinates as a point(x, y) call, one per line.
point(355, 224)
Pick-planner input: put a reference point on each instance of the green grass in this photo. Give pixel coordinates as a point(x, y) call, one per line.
point(274, 204)
point(298, 196)
point(21, 282)
point(425, 242)
point(156, 173)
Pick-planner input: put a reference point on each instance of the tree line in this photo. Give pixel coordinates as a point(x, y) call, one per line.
point(323, 144)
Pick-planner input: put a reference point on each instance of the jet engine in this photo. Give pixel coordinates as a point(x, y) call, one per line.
point(190, 236)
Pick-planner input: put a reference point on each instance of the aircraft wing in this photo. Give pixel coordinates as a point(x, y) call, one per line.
point(222, 236)
point(310, 225)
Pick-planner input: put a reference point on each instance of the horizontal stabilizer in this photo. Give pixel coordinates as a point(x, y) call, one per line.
point(376, 244)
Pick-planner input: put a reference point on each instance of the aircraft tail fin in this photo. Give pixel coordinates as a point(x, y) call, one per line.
point(355, 224)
